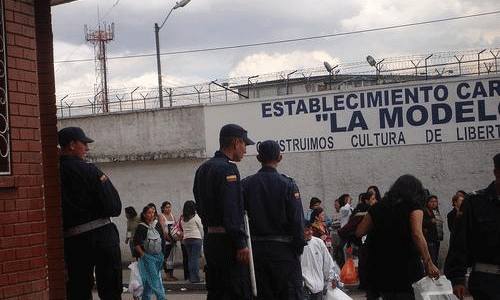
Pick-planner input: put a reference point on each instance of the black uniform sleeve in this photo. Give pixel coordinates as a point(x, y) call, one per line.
point(105, 195)
point(295, 217)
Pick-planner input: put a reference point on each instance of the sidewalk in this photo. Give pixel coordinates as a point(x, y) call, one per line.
point(173, 286)
point(181, 289)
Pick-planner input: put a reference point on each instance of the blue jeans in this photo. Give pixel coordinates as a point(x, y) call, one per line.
point(193, 247)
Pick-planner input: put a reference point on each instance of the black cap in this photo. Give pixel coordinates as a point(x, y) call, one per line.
point(69, 134)
point(496, 161)
point(268, 150)
point(235, 131)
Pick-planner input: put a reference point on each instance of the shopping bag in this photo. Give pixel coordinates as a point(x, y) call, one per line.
point(174, 259)
point(433, 289)
point(135, 282)
point(348, 274)
point(176, 231)
point(335, 294)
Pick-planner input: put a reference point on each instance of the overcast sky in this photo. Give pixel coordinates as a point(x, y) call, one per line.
point(206, 24)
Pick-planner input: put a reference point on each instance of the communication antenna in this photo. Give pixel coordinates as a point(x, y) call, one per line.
point(99, 38)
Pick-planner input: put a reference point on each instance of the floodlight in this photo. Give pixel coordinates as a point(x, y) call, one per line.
point(371, 60)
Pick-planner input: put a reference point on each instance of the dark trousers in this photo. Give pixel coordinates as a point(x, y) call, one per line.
point(398, 295)
point(434, 251)
point(308, 295)
point(166, 252)
point(226, 279)
point(484, 286)
point(185, 266)
point(278, 271)
point(96, 251)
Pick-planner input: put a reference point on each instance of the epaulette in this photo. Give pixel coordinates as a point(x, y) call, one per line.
point(288, 178)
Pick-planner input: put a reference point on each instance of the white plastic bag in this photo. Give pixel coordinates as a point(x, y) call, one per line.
point(335, 294)
point(135, 282)
point(433, 289)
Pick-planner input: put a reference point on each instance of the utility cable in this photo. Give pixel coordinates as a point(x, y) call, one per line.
point(295, 39)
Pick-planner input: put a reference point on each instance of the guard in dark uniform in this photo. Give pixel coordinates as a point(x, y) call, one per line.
point(91, 241)
point(276, 226)
point(219, 202)
point(475, 243)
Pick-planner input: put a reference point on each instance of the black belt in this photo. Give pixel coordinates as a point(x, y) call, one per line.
point(216, 229)
point(272, 238)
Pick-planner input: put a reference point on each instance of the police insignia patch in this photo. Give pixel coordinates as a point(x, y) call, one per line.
point(103, 178)
point(296, 195)
point(231, 178)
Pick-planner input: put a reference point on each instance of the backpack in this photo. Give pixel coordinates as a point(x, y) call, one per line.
point(152, 243)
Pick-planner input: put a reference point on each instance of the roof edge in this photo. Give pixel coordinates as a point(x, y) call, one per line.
point(57, 2)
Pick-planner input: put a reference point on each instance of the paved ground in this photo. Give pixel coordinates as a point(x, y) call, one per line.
point(183, 290)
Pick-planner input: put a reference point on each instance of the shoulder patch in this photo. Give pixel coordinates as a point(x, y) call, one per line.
point(103, 178)
point(296, 195)
point(231, 178)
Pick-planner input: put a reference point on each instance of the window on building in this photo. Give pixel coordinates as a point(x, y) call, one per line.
point(4, 111)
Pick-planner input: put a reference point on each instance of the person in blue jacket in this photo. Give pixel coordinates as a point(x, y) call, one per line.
point(91, 240)
point(276, 222)
point(219, 203)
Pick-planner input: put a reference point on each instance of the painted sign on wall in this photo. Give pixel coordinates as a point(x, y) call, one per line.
point(422, 112)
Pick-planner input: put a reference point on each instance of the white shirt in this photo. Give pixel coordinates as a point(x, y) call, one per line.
point(345, 213)
point(193, 229)
point(318, 267)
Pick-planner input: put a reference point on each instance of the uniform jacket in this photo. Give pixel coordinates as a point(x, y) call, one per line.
point(274, 206)
point(476, 238)
point(218, 196)
point(87, 193)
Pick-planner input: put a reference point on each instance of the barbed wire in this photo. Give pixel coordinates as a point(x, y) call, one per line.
point(393, 69)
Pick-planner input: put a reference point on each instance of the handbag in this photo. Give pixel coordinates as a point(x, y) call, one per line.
point(176, 231)
point(433, 289)
point(348, 274)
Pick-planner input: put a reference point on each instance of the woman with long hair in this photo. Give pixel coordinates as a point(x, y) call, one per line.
point(132, 222)
point(149, 243)
point(430, 228)
point(319, 227)
point(397, 244)
point(168, 220)
point(193, 239)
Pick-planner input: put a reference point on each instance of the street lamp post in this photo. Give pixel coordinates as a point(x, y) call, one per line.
point(182, 3)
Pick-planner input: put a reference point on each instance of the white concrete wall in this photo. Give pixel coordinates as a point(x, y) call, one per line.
point(144, 135)
point(152, 156)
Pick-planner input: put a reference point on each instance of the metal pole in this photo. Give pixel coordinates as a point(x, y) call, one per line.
point(158, 64)
point(479, 62)
point(251, 263)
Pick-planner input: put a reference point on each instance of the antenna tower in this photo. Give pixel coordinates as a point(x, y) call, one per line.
point(99, 38)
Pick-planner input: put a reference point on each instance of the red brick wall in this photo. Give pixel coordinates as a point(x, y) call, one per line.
point(48, 122)
point(31, 252)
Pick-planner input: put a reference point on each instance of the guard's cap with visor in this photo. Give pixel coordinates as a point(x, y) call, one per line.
point(69, 134)
point(235, 131)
